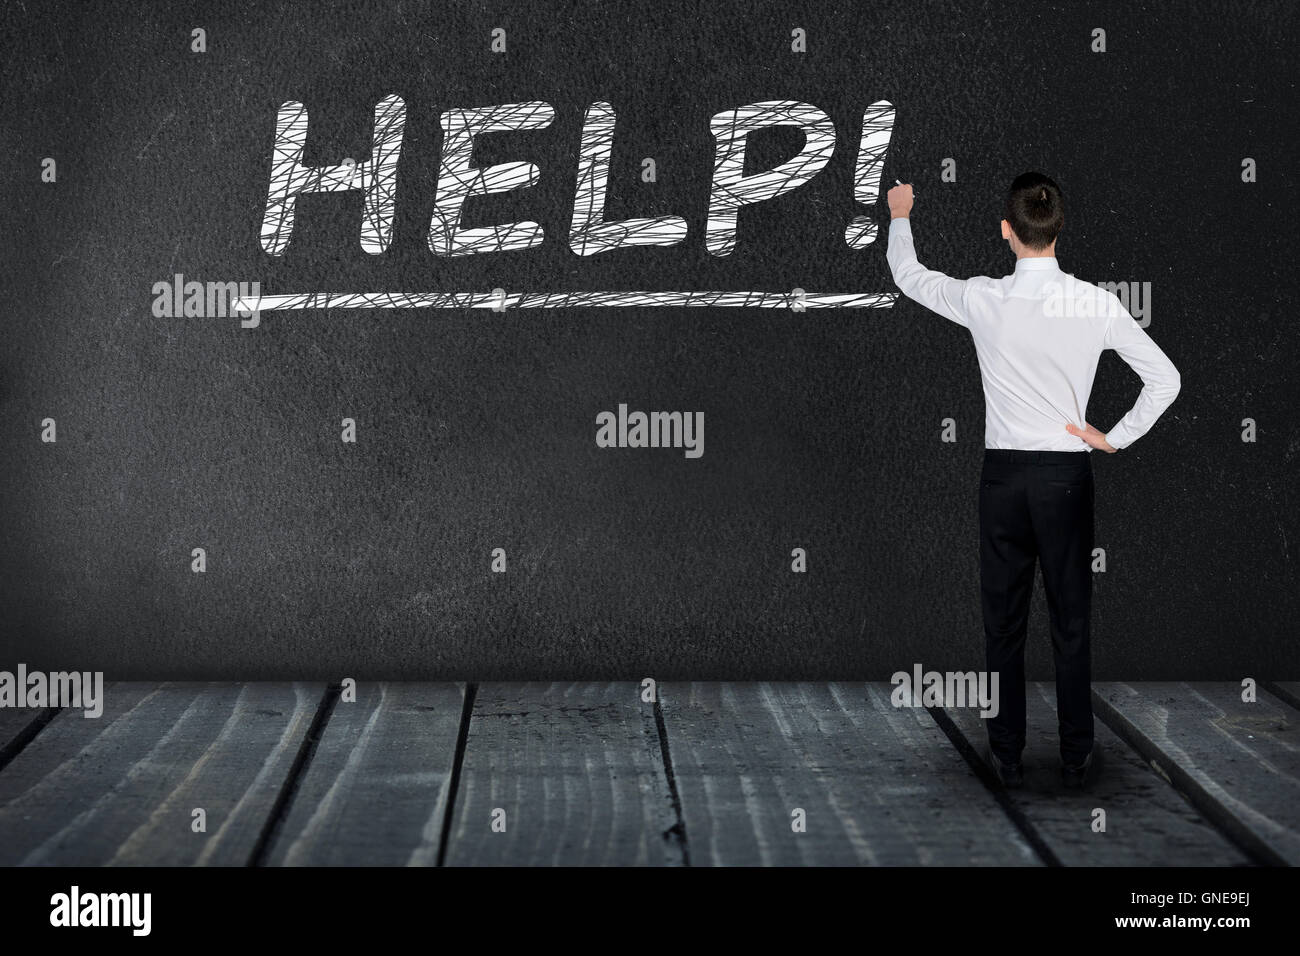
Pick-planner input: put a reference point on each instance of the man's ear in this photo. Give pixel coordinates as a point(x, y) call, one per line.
point(1006, 230)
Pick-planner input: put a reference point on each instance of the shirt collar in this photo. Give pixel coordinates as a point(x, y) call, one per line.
point(1036, 262)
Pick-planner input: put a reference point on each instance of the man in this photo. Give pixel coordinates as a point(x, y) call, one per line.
point(1038, 335)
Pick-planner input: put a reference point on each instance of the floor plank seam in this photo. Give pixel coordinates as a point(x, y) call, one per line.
point(1017, 816)
point(27, 735)
point(284, 799)
point(1219, 817)
point(1281, 693)
point(453, 784)
point(677, 833)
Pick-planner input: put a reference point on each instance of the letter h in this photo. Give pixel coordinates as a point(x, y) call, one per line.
point(377, 176)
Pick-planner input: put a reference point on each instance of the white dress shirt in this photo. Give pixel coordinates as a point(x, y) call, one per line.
point(1039, 334)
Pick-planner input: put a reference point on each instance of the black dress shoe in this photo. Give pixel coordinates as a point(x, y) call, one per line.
point(1011, 775)
point(1078, 776)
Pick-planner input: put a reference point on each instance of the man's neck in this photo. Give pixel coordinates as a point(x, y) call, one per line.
point(1048, 253)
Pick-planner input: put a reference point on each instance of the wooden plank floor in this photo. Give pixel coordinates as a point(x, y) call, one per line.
point(574, 772)
point(1148, 823)
point(876, 785)
point(1238, 761)
point(122, 788)
point(376, 789)
point(17, 726)
point(700, 774)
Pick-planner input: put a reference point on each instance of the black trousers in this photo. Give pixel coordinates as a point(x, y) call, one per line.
point(1038, 506)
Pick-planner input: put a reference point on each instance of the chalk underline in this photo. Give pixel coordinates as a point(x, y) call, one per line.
point(564, 300)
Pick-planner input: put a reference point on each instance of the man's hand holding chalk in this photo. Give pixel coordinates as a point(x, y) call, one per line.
point(900, 201)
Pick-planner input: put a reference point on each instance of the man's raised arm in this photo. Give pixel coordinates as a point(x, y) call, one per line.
point(934, 290)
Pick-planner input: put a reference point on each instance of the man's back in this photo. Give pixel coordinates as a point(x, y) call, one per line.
point(1039, 335)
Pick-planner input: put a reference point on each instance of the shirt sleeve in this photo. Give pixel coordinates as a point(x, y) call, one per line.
point(1160, 380)
point(934, 290)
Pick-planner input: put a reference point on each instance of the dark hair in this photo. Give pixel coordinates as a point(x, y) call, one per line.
point(1035, 210)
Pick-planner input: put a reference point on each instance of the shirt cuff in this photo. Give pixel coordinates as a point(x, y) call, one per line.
point(1117, 438)
point(903, 226)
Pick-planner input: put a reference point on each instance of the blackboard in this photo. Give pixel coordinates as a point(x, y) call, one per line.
point(476, 429)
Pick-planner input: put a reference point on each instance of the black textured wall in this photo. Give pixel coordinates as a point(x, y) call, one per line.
point(477, 429)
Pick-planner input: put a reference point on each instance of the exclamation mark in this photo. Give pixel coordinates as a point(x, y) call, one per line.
point(877, 126)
